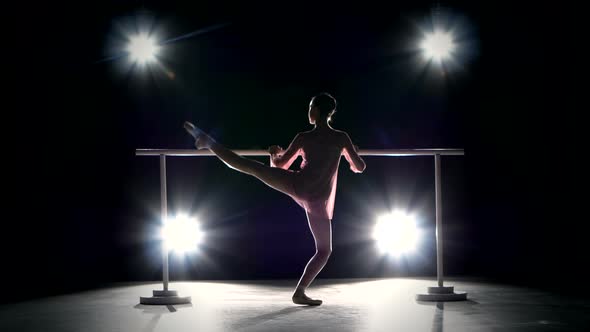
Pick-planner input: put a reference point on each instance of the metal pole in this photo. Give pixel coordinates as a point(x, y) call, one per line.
point(164, 216)
point(440, 293)
point(166, 296)
point(439, 229)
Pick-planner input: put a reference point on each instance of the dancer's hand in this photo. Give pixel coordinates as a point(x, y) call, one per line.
point(275, 149)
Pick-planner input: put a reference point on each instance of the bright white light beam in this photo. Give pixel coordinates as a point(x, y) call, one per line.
point(181, 234)
point(438, 45)
point(142, 49)
point(396, 233)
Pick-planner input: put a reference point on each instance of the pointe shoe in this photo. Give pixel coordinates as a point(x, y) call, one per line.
point(304, 299)
point(202, 140)
point(192, 130)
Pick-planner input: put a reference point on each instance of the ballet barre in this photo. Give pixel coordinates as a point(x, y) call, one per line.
point(437, 293)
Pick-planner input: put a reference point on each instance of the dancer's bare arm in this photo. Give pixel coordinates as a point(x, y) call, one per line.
point(284, 158)
point(350, 152)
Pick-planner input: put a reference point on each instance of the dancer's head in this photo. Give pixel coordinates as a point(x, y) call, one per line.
point(321, 108)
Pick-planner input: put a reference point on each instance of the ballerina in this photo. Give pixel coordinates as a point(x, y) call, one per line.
point(313, 187)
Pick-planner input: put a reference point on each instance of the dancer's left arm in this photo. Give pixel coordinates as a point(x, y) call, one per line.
point(284, 158)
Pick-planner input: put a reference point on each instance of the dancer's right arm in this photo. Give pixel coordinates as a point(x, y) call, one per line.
point(350, 152)
point(287, 157)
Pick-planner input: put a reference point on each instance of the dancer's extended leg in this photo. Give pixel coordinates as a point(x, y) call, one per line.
point(276, 178)
point(321, 228)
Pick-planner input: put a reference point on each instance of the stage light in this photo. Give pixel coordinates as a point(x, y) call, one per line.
point(181, 234)
point(142, 49)
point(396, 233)
point(438, 45)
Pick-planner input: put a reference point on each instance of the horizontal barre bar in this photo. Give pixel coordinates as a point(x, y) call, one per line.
point(368, 152)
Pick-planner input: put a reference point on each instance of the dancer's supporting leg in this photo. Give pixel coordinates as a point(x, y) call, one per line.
point(321, 228)
point(280, 180)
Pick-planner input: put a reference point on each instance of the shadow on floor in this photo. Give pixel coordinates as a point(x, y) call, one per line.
point(158, 311)
point(438, 319)
point(251, 321)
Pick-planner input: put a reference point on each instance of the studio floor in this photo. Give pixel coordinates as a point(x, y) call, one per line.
point(265, 305)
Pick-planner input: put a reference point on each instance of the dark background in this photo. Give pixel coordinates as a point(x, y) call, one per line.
point(81, 209)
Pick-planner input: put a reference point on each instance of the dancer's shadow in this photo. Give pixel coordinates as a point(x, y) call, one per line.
point(251, 321)
point(158, 311)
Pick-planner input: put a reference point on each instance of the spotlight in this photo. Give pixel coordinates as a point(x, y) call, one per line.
point(181, 234)
point(438, 45)
point(142, 49)
point(396, 233)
